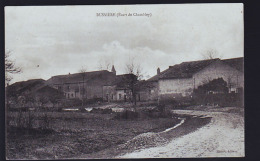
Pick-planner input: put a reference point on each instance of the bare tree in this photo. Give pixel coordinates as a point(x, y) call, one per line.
point(105, 64)
point(10, 68)
point(134, 68)
point(83, 71)
point(210, 54)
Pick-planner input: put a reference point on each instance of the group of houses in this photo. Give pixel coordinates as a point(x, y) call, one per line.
point(178, 80)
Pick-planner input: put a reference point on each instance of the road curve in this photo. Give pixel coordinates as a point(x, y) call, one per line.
point(222, 137)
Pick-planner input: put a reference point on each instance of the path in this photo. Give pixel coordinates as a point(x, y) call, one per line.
point(222, 137)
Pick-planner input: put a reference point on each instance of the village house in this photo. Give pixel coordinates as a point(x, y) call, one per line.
point(148, 90)
point(182, 79)
point(97, 84)
point(178, 80)
point(120, 89)
point(32, 93)
point(87, 85)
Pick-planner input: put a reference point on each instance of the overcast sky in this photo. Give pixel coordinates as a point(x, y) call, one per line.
point(54, 40)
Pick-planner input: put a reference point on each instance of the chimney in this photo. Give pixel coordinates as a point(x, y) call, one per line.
point(158, 71)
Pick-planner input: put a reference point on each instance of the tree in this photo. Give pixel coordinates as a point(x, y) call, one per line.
point(83, 71)
point(105, 64)
point(133, 68)
point(10, 68)
point(210, 54)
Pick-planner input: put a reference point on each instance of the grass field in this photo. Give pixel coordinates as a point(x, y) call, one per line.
point(73, 134)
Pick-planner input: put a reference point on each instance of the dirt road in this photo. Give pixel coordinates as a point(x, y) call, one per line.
point(222, 137)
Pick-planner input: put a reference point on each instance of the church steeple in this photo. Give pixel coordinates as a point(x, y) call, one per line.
point(113, 70)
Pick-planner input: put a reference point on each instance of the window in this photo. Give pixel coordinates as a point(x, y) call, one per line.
point(68, 88)
point(120, 96)
point(71, 94)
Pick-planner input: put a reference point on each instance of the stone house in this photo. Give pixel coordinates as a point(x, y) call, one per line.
point(182, 79)
point(120, 89)
point(147, 90)
point(87, 85)
point(32, 93)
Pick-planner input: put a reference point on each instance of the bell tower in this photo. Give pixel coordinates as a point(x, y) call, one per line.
point(113, 70)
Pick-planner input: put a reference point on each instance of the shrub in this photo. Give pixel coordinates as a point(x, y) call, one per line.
point(144, 114)
point(127, 115)
point(101, 111)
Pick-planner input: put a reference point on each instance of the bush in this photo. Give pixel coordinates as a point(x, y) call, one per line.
point(101, 111)
point(144, 114)
point(127, 115)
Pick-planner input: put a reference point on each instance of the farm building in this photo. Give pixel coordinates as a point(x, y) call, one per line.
point(120, 89)
point(97, 84)
point(182, 79)
point(85, 85)
point(32, 93)
point(147, 90)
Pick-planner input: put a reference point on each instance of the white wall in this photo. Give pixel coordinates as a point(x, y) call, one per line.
point(170, 86)
point(219, 70)
point(216, 70)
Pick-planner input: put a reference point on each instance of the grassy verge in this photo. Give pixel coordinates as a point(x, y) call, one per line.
point(76, 134)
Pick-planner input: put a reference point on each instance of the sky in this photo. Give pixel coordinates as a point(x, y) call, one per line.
point(54, 40)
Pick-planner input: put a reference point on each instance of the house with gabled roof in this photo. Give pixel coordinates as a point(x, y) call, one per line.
point(182, 79)
point(32, 93)
point(87, 85)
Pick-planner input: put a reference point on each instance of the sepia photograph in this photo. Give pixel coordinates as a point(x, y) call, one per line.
point(124, 81)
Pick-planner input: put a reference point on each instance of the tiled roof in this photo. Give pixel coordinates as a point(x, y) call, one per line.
point(124, 81)
point(29, 86)
point(185, 69)
point(145, 84)
point(78, 77)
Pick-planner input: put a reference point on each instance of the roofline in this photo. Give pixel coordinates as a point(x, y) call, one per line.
point(82, 73)
point(214, 60)
point(176, 77)
point(233, 58)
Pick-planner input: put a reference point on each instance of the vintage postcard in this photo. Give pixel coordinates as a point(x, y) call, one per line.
point(124, 81)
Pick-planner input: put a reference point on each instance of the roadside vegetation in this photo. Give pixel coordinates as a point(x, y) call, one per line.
point(51, 135)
